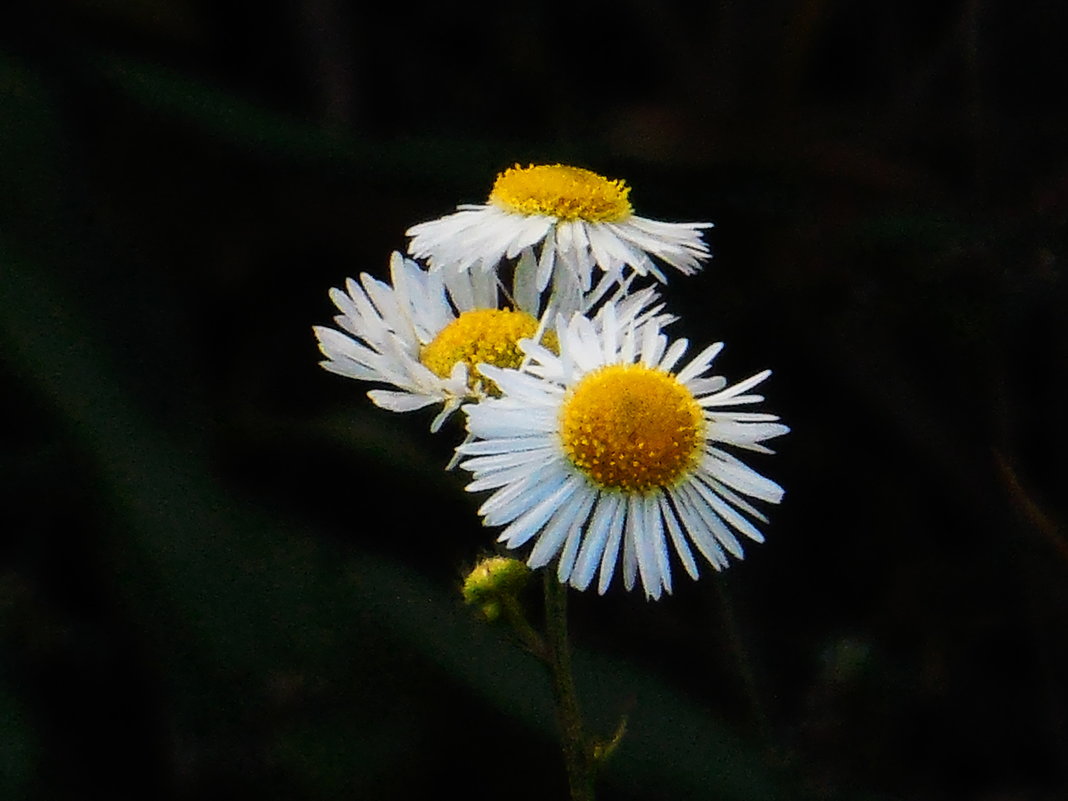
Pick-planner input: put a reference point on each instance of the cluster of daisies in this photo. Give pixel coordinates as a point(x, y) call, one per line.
point(599, 444)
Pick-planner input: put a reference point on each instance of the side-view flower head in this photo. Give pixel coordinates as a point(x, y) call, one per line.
point(423, 333)
point(603, 452)
point(559, 222)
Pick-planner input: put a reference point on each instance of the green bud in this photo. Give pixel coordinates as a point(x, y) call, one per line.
point(493, 580)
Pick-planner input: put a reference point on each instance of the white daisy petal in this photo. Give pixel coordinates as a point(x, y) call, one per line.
point(734, 393)
point(529, 523)
point(644, 546)
point(506, 475)
point(596, 536)
point(483, 446)
point(499, 462)
point(733, 497)
point(546, 263)
point(672, 356)
point(611, 548)
point(630, 547)
point(701, 525)
point(709, 512)
point(677, 537)
point(525, 289)
point(447, 408)
point(729, 514)
point(700, 362)
point(740, 476)
point(571, 546)
point(529, 232)
point(744, 435)
point(653, 526)
point(399, 401)
point(508, 422)
point(510, 501)
point(706, 386)
point(562, 525)
point(506, 505)
point(517, 383)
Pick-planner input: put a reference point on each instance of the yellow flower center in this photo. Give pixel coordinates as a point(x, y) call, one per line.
point(568, 193)
point(631, 428)
point(489, 336)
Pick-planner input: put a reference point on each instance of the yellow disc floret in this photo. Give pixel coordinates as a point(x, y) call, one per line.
point(489, 336)
point(632, 428)
point(568, 193)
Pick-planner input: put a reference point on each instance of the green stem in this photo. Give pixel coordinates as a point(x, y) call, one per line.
point(517, 619)
point(578, 755)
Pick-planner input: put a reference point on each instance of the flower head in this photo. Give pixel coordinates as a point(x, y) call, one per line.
point(424, 333)
point(605, 449)
point(560, 222)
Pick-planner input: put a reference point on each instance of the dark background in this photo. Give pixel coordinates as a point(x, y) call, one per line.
point(224, 574)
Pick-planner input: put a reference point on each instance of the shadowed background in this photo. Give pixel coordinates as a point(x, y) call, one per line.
point(225, 574)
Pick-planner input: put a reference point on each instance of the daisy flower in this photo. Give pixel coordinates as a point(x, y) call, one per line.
point(560, 222)
point(604, 452)
point(424, 333)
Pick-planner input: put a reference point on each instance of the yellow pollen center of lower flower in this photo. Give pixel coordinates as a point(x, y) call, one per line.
point(631, 428)
point(489, 336)
point(569, 193)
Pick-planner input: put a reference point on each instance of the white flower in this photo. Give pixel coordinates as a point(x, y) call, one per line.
point(560, 222)
point(605, 450)
point(423, 334)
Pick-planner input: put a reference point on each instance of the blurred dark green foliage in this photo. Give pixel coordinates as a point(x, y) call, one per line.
point(225, 575)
